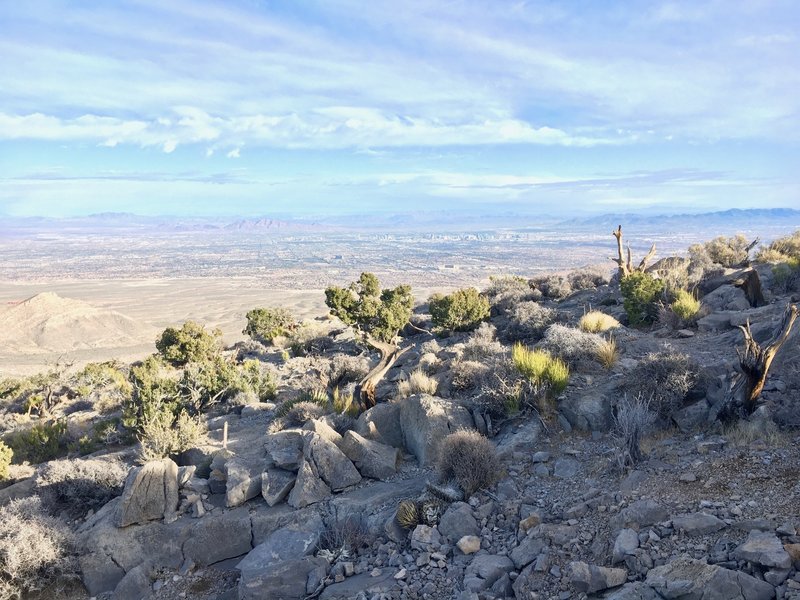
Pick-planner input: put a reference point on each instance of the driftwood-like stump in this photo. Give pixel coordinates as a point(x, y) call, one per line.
point(624, 263)
point(746, 279)
point(365, 390)
point(754, 363)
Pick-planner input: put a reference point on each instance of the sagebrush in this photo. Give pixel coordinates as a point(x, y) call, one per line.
point(468, 459)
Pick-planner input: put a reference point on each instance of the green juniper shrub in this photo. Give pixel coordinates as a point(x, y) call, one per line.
point(6, 454)
point(190, 343)
point(39, 443)
point(641, 293)
point(463, 310)
point(265, 324)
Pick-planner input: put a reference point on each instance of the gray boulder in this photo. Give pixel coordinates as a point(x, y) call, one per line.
point(308, 488)
point(292, 541)
point(689, 579)
point(243, 481)
point(698, 523)
point(425, 538)
point(726, 297)
point(457, 522)
point(587, 412)
point(322, 429)
point(639, 514)
point(765, 549)
point(99, 572)
point(426, 420)
point(135, 585)
point(591, 578)
point(634, 591)
point(566, 468)
point(287, 580)
point(219, 537)
point(276, 485)
point(691, 417)
point(527, 551)
point(151, 493)
point(382, 424)
point(333, 466)
point(485, 570)
point(373, 459)
point(285, 449)
point(626, 543)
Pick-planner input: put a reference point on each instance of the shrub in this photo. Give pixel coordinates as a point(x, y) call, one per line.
point(154, 391)
point(632, 420)
point(417, 383)
point(265, 324)
point(106, 383)
point(343, 538)
point(39, 443)
point(540, 368)
point(6, 454)
point(259, 379)
point(528, 321)
point(556, 287)
point(786, 275)
point(640, 293)
point(597, 322)
point(468, 459)
point(79, 485)
point(205, 382)
point(463, 310)
point(309, 339)
point(666, 377)
point(348, 369)
point(190, 343)
point(588, 278)
point(482, 344)
point(571, 344)
point(781, 250)
point(607, 353)
point(727, 252)
point(505, 291)
point(165, 435)
point(35, 549)
point(303, 411)
point(467, 374)
point(343, 403)
point(685, 305)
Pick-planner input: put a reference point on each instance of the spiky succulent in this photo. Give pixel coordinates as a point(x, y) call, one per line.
point(408, 514)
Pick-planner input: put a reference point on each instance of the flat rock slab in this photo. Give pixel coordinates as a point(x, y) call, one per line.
point(333, 466)
point(765, 549)
point(276, 485)
point(287, 580)
point(485, 570)
point(215, 538)
point(690, 579)
point(243, 481)
point(373, 459)
point(385, 583)
point(699, 523)
point(293, 541)
point(591, 578)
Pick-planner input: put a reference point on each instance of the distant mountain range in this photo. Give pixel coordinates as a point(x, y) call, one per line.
point(732, 217)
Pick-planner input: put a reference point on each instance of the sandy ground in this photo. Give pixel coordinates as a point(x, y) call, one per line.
point(215, 302)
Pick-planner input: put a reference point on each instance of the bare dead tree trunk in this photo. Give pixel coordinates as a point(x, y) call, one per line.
point(624, 263)
point(746, 279)
point(365, 390)
point(754, 363)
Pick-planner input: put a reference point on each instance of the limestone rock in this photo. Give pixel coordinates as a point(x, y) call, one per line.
point(292, 541)
point(243, 481)
point(276, 485)
point(382, 424)
point(287, 580)
point(690, 579)
point(691, 417)
point(135, 585)
point(308, 488)
point(698, 523)
point(424, 537)
point(219, 537)
point(591, 578)
point(373, 459)
point(457, 522)
point(322, 429)
point(634, 591)
point(469, 544)
point(587, 412)
point(485, 570)
point(426, 420)
point(285, 449)
point(566, 468)
point(333, 466)
point(765, 549)
point(527, 551)
point(627, 541)
point(639, 514)
point(151, 492)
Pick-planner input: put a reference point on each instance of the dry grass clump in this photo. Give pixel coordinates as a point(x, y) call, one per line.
point(685, 306)
point(589, 278)
point(633, 419)
point(163, 435)
point(482, 344)
point(782, 249)
point(469, 460)
point(35, 549)
point(303, 411)
point(571, 344)
point(467, 375)
point(556, 287)
point(343, 402)
point(608, 353)
point(666, 377)
point(743, 434)
point(429, 362)
point(505, 291)
point(79, 485)
point(430, 347)
point(418, 382)
point(528, 321)
point(596, 321)
point(347, 369)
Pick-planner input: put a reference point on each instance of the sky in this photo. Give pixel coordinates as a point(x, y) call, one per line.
point(304, 108)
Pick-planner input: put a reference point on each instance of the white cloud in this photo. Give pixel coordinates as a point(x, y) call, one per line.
point(233, 153)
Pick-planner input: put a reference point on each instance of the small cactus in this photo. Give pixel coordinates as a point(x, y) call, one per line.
point(408, 514)
point(431, 510)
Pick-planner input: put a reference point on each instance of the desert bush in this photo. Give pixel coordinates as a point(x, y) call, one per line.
point(607, 353)
point(743, 433)
point(6, 454)
point(685, 306)
point(347, 369)
point(781, 249)
point(190, 343)
point(257, 378)
point(540, 368)
point(265, 324)
point(309, 339)
point(482, 344)
point(106, 385)
point(572, 344)
point(164, 434)
point(343, 402)
point(79, 485)
point(418, 382)
point(632, 420)
point(35, 549)
point(468, 459)
point(500, 389)
point(665, 377)
point(40, 442)
point(429, 362)
point(302, 412)
point(727, 252)
point(528, 321)
point(154, 390)
point(640, 293)
point(430, 346)
point(343, 537)
point(206, 382)
point(588, 278)
point(467, 375)
point(463, 310)
point(595, 321)
point(552, 286)
point(786, 275)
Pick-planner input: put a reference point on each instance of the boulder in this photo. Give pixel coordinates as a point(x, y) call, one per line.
point(527, 551)
point(292, 541)
point(322, 429)
point(135, 585)
point(485, 570)
point(591, 578)
point(634, 591)
point(287, 580)
point(425, 538)
point(333, 466)
point(566, 468)
point(698, 523)
point(626, 543)
point(587, 411)
point(276, 485)
point(380, 586)
point(285, 449)
point(726, 297)
point(689, 579)
point(691, 417)
point(382, 424)
point(218, 537)
point(99, 572)
point(308, 488)
point(426, 420)
point(373, 459)
point(457, 522)
point(242, 481)
point(639, 514)
point(765, 549)
point(151, 492)
point(469, 544)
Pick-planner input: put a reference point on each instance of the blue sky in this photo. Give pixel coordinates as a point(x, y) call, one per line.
point(341, 106)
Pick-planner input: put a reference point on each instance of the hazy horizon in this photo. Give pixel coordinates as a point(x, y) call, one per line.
point(311, 109)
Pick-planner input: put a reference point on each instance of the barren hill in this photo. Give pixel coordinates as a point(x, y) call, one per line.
point(47, 322)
